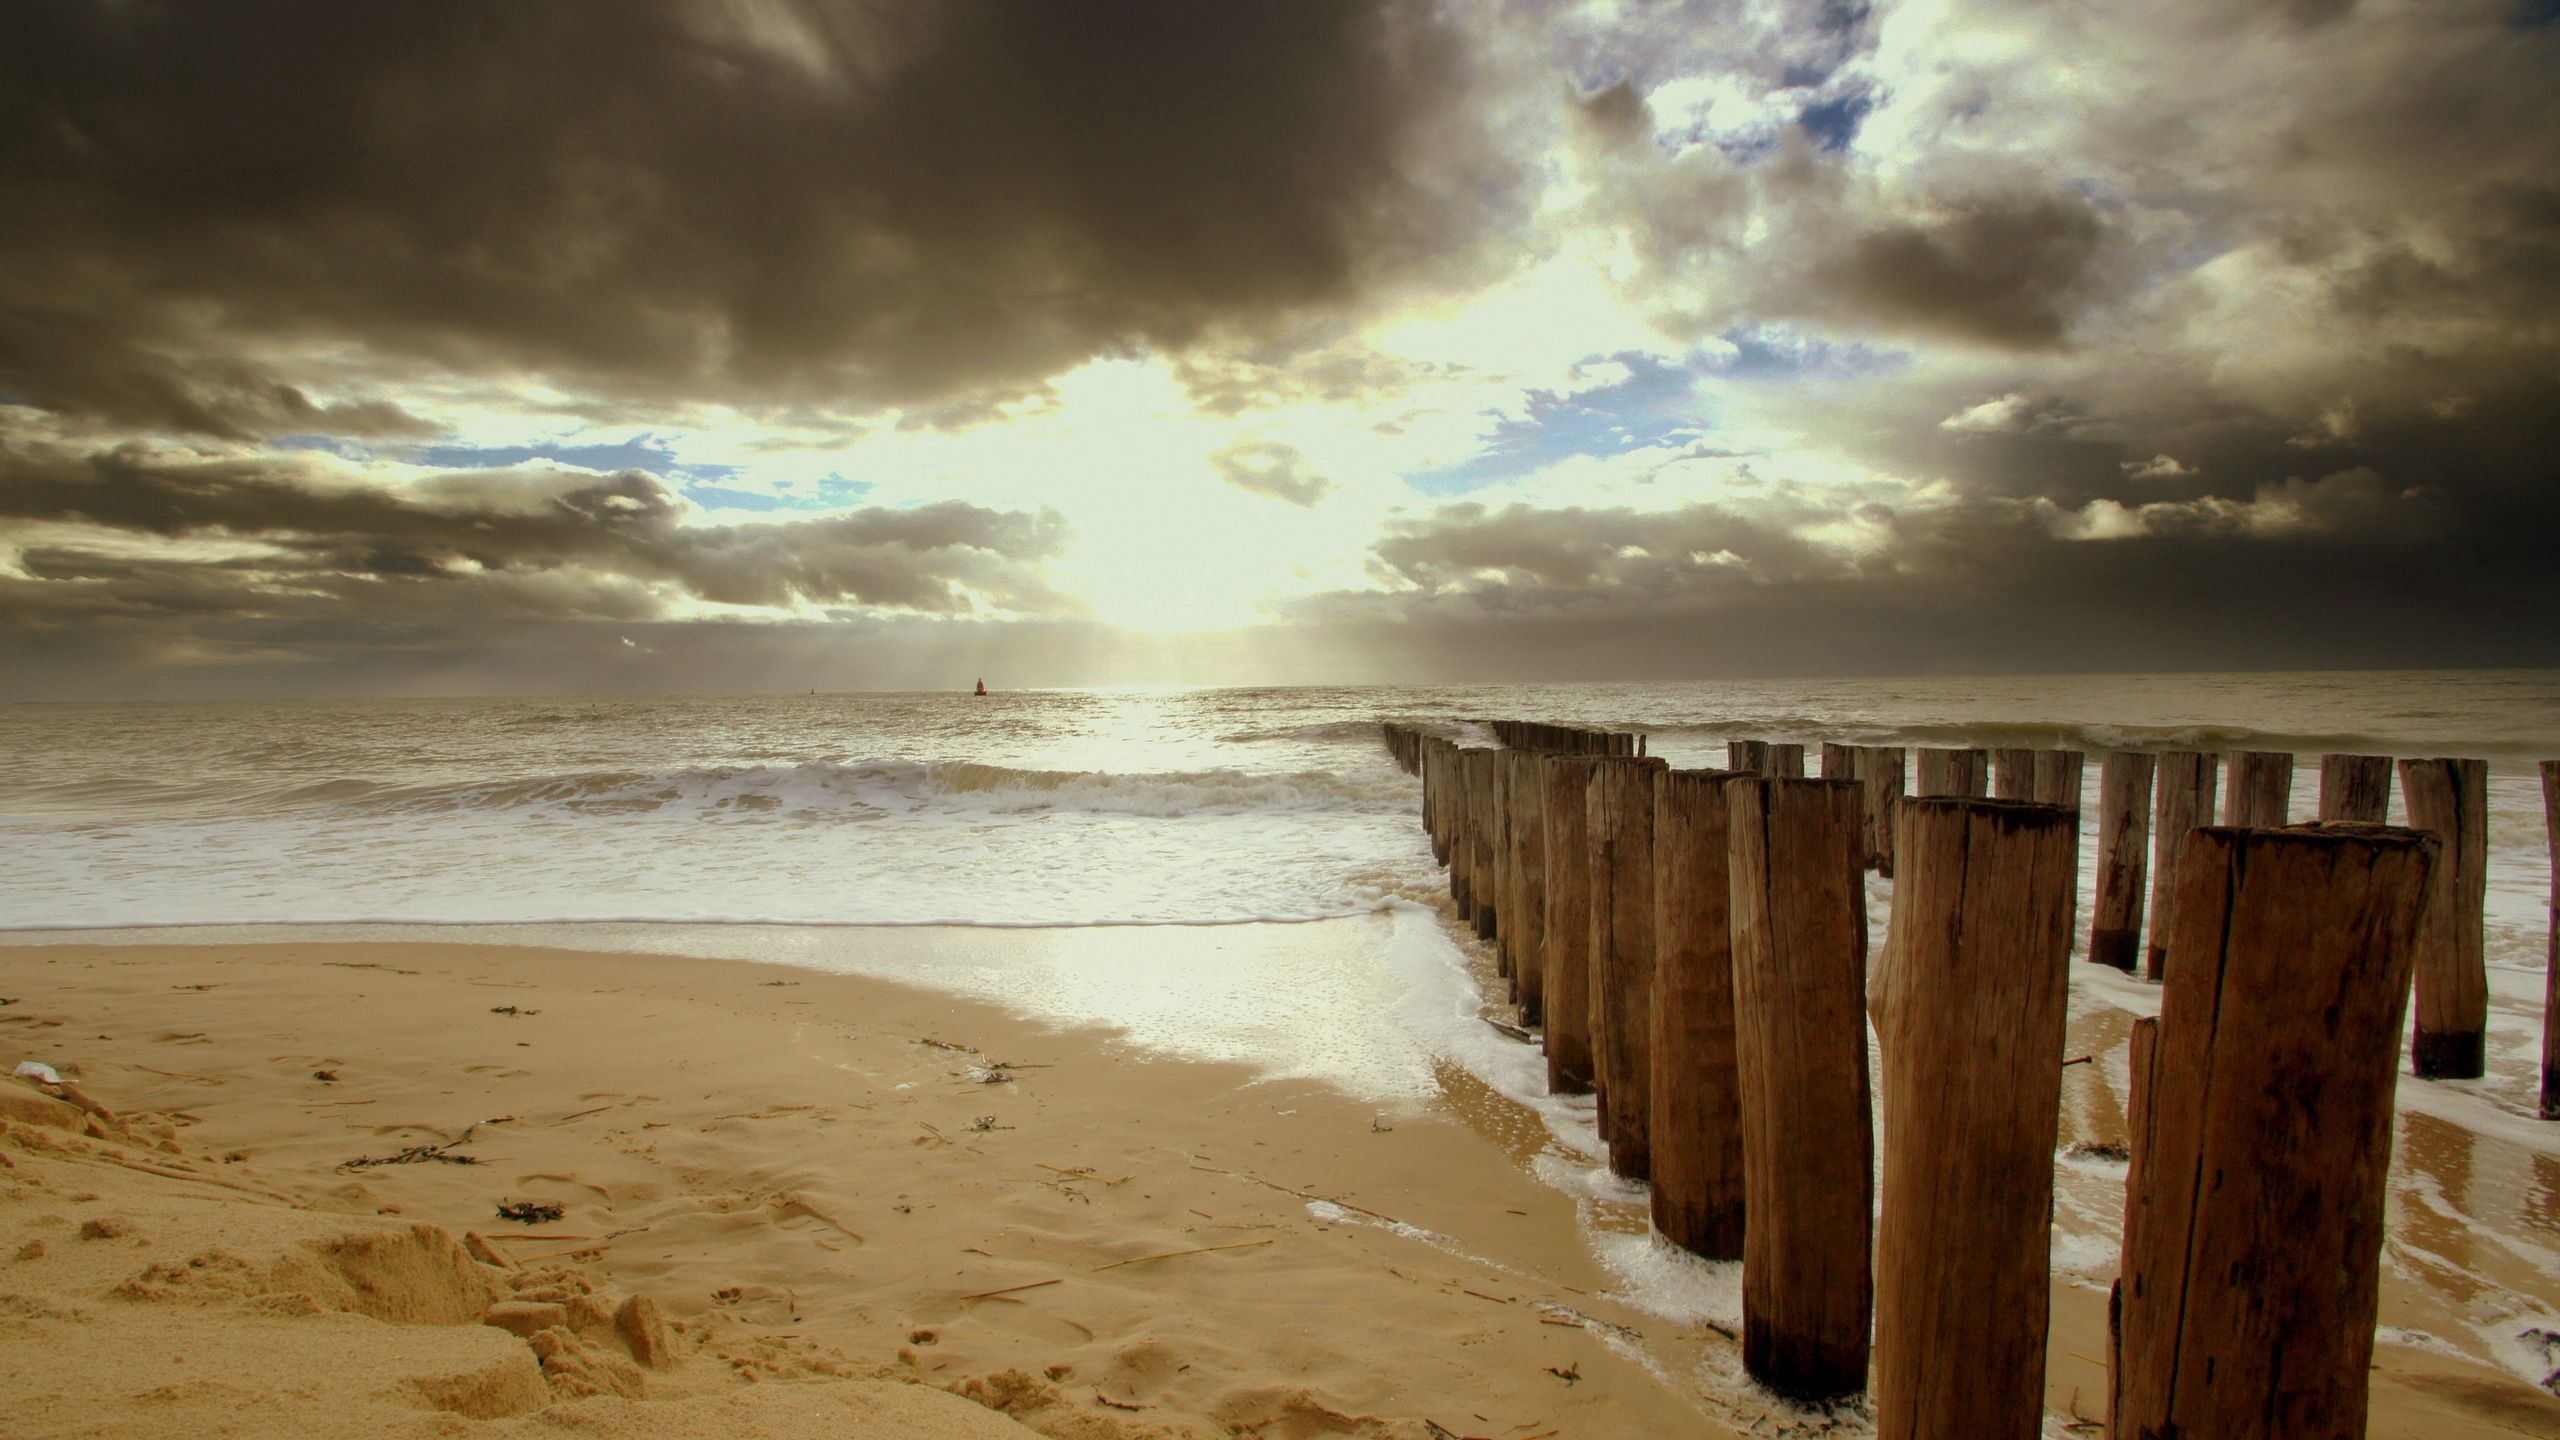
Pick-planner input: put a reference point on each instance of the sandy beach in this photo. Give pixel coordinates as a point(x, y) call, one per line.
point(794, 1203)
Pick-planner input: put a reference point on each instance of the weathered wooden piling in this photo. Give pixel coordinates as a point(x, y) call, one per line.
point(1786, 762)
point(1695, 1121)
point(2258, 792)
point(1621, 958)
point(2551, 948)
point(2254, 1209)
point(1461, 842)
point(1566, 935)
point(1405, 743)
point(1799, 986)
point(1497, 871)
point(1969, 1021)
point(1524, 883)
point(1950, 772)
point(1839, 762)
point(2059, 777)
point(2355, 787)
point(1440, 786)
point(1880, 771)
point(1747, 757)
point(2124, 856)
point(2449, 799)
point(2142, 1054)
point(2013, 774)
point(2186, 781)
point(1437, 798)
point(1482, 816)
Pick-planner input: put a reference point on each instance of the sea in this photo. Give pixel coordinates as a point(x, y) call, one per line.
point(1035, 808)
point(1130, 825)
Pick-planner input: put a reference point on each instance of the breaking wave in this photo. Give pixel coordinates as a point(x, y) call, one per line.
point(812, 791)
point(2040, 735)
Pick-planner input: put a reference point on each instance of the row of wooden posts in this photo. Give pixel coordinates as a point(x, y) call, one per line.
point(1693, 944)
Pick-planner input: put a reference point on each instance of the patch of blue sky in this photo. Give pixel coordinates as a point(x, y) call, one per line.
point(338, 445)
point(643, 451)
point(1777, 353)
point(1833, 124)
point(710, 486)
point(1654, 405)
point(833, 492)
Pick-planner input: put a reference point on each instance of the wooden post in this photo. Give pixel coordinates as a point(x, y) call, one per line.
point(1950, 772)
point(2186, 801)
point(2551, 948)
point(2449, 799)
point(2013, 774)
point(1799, 990)
point(1462, 850)
point(2355, 787)
point(2142, 1054)
point(1748, 757)
point(1432, 799)
point(2259, 790)
point(1621, 823)
point(1786, 762)
point(1839, 762)
point(1969, 1022)
point(1524, 911)
point(1497, 870)
point(2254, 1212)
point(1880, 769)
point(1696, 1115)
point(2124, 855)
point(1480, 822)
point(2059, 774)
point(1566, 935)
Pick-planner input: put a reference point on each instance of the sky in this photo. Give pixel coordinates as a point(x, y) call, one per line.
point(536, 345)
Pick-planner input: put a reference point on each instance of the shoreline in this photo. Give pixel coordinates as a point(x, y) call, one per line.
point(810, 1109)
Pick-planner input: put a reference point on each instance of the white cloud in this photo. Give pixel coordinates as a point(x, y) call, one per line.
point(2158, 467)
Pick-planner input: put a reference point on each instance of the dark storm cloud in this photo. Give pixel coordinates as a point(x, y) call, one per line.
point(550, 541)
point(1789, 232)
point(2007, 272)
point(1267, 467)
point(2322, 571)
point(851, 201)
point(1521, 552)
point(81, 365)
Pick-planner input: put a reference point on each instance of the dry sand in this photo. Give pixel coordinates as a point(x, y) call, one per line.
point(802, 1204)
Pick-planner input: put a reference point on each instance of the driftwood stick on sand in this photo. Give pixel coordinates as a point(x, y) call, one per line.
point(1177, 1254)
point(1014, 1289)
point(1301, 1194)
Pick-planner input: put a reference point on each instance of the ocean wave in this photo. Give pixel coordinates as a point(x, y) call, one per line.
point(1366, 731)
point(2041, 735)
point(870, 789)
